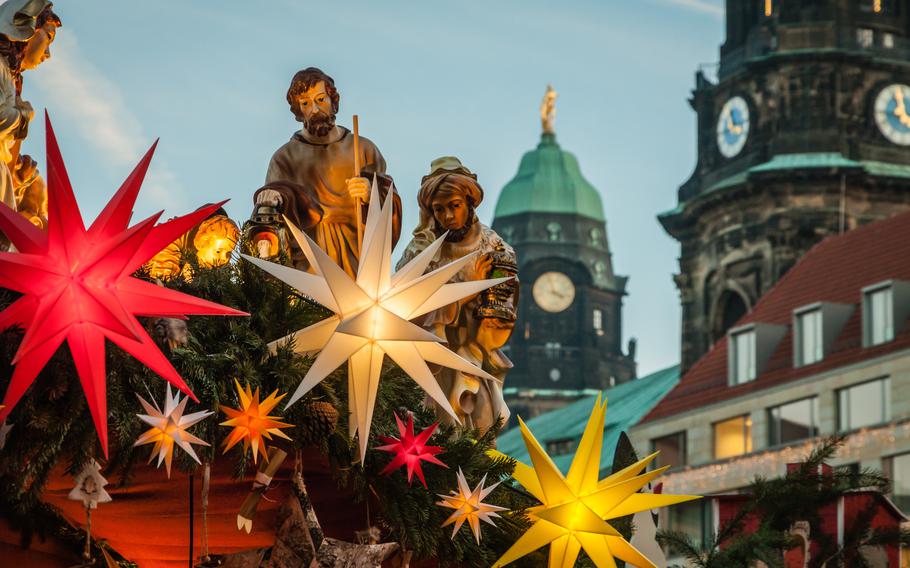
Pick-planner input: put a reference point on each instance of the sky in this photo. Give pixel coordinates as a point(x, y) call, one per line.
point(427, 78)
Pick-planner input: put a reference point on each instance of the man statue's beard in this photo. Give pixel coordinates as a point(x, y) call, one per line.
point(320, 124)
point(458, 235)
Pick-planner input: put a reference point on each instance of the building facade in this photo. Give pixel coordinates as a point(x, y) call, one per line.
point(568, 337)
point(804, 133)
point(826, 351)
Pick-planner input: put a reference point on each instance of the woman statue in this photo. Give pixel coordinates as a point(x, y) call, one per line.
point(476, 327)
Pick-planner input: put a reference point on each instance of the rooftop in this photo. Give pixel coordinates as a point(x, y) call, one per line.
point(835, 270)
point(549, 181)
point(626, 404)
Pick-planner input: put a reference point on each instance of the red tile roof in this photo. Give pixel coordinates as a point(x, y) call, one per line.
point(834, 270)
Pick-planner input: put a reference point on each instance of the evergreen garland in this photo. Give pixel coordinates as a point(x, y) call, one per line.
point(53, 426)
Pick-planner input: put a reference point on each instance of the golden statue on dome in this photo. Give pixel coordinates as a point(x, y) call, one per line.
point(548, 110)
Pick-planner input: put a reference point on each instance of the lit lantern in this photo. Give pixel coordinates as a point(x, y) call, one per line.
point(169, 262)
point(215, 239)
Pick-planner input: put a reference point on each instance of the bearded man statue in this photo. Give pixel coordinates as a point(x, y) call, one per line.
point(319, 159)
point(476, 327)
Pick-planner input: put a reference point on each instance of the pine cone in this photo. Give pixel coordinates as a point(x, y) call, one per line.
point(318, 423)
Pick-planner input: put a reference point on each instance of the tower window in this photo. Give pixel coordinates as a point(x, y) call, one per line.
point(554, 231)
point(597, 319)
point(888, 40)
point(865, 37)
point(769, 7)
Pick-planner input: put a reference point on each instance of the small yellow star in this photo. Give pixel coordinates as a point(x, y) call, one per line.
point(469, 506)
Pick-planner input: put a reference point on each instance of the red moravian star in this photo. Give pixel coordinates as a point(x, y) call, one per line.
point(77, 287)
point(410, 450)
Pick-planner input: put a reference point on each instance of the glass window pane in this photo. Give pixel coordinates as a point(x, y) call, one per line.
point(810, 334)
point(689, 518)
point(881, 316)
point(733, 437)
point(900, 478)
point(794, 421)
point(864, 405)
point(672, 450)
point(744, 353)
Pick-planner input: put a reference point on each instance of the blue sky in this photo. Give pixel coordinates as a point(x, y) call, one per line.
point(427, 78)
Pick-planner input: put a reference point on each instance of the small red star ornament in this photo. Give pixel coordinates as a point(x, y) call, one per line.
point(77, 287)
point(410, 450)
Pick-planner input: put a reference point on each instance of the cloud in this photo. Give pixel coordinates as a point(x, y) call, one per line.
point(81, 94)
point(701, 6)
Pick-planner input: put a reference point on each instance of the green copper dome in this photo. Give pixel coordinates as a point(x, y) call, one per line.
point(549, 181)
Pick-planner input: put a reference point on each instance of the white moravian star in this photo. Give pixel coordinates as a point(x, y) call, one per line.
point(373, 313)
point(169, 427)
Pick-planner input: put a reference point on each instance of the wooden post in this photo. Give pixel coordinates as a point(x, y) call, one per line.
point(358, 204)
point(191, 520)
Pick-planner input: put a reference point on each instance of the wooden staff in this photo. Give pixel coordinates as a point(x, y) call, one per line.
point(358, 203)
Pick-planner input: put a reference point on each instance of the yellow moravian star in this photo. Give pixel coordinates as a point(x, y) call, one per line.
point(575, 509)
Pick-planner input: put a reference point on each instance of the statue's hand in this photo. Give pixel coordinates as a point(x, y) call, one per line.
point(358, 188)
point(269, 197)
point(482, 265)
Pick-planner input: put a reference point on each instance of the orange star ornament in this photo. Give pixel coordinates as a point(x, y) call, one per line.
point(251, 421)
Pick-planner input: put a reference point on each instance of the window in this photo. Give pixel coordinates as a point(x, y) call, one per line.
point(878, 313)
point(809, 339)
point(750, 347)
point(672, 450)
point(692, 518)
point(888, 40)
point(743, 344)
point(865, 404)
point(597, 319)
point(897, 468)
point(793, 421)
point(733, 437)
point(865, 37)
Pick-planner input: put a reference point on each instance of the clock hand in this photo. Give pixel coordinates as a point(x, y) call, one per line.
point(732, 126)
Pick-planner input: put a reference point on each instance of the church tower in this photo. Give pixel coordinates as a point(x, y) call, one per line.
point(804, 133)
point(569, 330)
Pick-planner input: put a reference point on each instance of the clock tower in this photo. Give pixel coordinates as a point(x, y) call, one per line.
point(804, 133)
point(569, 331)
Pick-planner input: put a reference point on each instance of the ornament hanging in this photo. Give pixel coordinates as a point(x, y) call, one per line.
point(469, 506)
point(89, 489)
point(76, 285)
point(372, 314)
point(252, 423)
point(169, 427)
point(410, 450)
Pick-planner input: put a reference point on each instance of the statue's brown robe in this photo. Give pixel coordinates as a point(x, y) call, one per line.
point(324, 168)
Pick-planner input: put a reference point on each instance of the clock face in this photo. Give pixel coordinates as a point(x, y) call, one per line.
point(733, 127)
point(553, 291)
point(892, 113)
